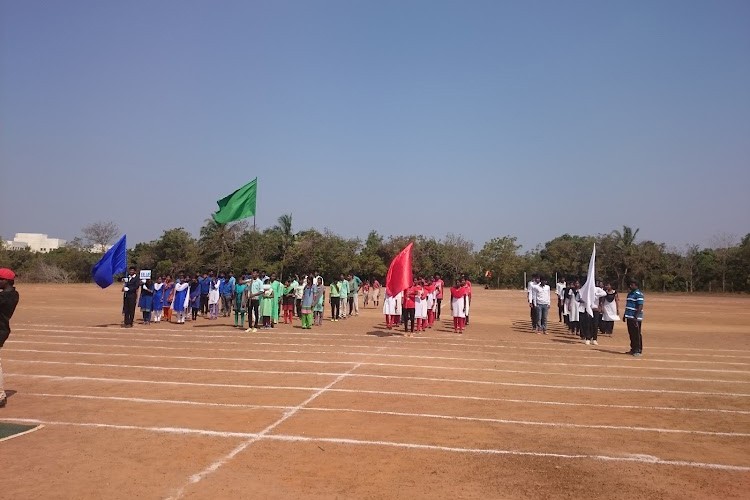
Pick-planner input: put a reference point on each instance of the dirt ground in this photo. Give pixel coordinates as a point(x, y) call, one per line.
point(352, 410)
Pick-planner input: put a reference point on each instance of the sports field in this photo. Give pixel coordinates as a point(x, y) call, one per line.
point(351, 410)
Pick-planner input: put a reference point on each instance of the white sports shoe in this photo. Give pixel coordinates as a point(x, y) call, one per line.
point(595, 342)
point(588, 342)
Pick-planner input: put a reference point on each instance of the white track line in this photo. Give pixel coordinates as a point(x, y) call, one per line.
point(219, 349)
point(68, 378)
point(64, 378)
point(642, 459)
point(534, 423)
point(159, 401)
point(419, 415)
point(184, 431)
point(274, 407)
point(499, 370)
point(400, 346)
point(300, 361)
point(193, 358)
point(195, 478)
point(646, 459)
point(175, 332)
point(645, 363)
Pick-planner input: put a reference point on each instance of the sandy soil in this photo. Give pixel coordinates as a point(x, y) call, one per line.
point(352, 410)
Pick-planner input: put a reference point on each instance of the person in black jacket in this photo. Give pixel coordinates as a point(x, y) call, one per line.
point(130, 297)
point(8, 303)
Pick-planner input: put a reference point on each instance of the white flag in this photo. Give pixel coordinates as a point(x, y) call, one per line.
point(588, 290)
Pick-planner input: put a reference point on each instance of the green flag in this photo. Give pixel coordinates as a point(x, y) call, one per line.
point(237, 205)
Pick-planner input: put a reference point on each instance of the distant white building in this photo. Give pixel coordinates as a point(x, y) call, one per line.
point(36, 242)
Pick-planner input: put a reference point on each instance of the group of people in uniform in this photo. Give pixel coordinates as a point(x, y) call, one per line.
point(419, 306)
point(571, 309)
point(257, 295)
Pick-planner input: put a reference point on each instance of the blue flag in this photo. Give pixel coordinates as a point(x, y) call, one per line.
point(113, 262)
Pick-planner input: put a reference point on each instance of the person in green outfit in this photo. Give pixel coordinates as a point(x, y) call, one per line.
point(241, 298)
point(344, 295)
point(278, 294)
point(335, 300)
point(320, 299)
point(266, 303)
point(353, 298)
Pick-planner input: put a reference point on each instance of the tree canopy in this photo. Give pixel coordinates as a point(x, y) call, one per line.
point(499, 263)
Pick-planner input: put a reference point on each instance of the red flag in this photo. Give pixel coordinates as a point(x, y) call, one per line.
point(399, 275)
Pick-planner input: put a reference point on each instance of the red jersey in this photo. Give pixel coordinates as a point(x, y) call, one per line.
point(439, 284)
point(410, 294)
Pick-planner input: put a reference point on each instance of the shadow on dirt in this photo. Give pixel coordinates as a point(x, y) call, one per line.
point(385, 333)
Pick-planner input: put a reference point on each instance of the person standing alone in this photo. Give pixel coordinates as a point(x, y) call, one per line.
point(634, 318)
point(8, 302)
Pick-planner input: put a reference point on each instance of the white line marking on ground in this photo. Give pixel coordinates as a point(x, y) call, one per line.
point(495, 360)
point(590, 351)
point(641, 458)
point(637, 459)
point(195, 478)
point(266, 335)
point(274, 407)
point(230, 370)
point(158, 401)
point(169, 368)
point(407, 414)
point(208, 358)
point(535, 423)
point(245, 341)
point(507, 384)
point(66, 378)
point(162, 430)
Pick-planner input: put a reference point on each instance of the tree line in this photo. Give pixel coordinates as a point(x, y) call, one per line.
point(724, 266)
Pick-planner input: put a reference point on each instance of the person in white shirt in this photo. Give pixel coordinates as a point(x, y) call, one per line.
point(560, 292)
point(591, 326)
point(299, 291)
point(256, 290)
point(609, 308)
point(541, 304)
point(571, 305)
point(531, 291)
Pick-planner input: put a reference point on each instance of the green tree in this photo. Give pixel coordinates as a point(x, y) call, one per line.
point(500, 257)
point(218, 241)
point(566, 254)
point(370, 263)
point(285, 237)
point(625, 250)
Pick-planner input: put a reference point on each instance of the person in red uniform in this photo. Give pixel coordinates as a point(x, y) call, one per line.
point(410, 295)
point(8, 302)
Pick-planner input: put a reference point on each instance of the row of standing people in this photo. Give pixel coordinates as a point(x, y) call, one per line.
point(572, 310)
point(419, 306)
point(257, 295)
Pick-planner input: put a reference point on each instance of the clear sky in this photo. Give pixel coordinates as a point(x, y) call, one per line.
point(481, 118)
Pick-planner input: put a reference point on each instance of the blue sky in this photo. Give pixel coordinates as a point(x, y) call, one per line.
point(481, 118)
